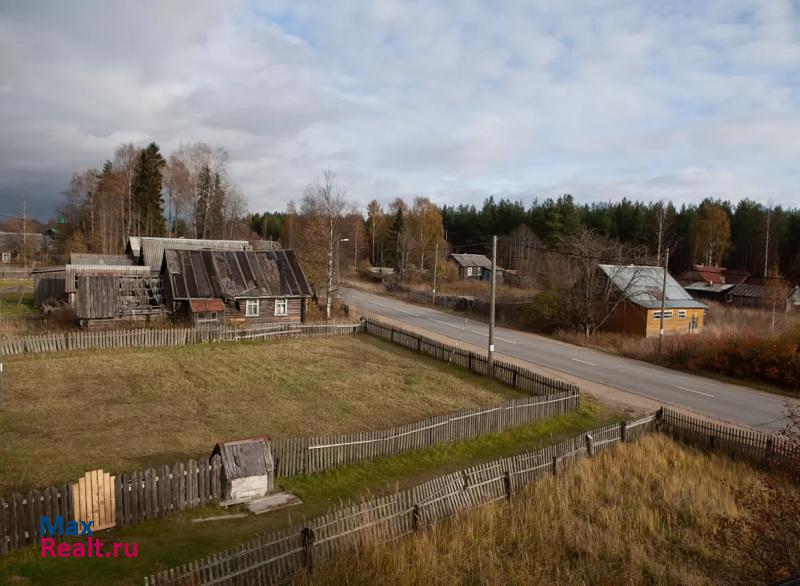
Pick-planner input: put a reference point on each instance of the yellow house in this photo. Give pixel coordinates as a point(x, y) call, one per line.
point(639, 312)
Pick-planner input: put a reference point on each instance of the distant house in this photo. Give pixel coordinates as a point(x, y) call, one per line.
point(235, 286)
point(14, 245)
point(472, 266)
point(785, 299)
point(640, 311)
point(712, 275)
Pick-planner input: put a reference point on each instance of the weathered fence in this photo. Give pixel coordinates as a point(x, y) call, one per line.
point(141, 495)
point(518, 377)
point(755, 447)
point(156, 338)
point(276, 557)
point(305, 455)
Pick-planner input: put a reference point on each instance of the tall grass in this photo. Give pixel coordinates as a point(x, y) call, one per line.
point(646, 514)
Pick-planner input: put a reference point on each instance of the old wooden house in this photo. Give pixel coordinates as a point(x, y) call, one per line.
point(235, 286)
point(248, 470)
point(640, 310)
point(472, 266)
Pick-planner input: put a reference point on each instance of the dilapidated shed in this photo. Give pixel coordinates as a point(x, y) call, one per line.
point(149, 251)
point(248, 469)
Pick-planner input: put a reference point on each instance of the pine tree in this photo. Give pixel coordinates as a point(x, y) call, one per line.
point(395, 244)
point(148, 201)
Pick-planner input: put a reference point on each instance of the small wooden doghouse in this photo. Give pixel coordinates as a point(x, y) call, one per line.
point(248, 470)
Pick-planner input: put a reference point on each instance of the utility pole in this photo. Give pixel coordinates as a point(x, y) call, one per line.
point(435, 266)
point(1, 385)
point(25, 230)
point(338, 263)
point(355, 248)
point(766, 245)
point(663, 300)
point(490, 355)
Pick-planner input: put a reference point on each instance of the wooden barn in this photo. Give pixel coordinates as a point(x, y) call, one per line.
point(472, 266)
point(248, 470)
point(235, 287)
point(639, 313)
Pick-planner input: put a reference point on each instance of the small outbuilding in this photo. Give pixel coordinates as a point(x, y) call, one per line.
point(248, 469)
point(472, 266)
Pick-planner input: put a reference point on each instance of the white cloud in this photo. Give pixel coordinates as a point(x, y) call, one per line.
point(459, 99)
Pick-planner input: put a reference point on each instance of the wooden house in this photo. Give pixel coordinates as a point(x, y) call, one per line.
point(235, 286)
point(248, 470)
point(781, 295)
point(639, 313)
point(472, 266)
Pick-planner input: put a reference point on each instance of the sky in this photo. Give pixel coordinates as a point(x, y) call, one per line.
point(455, 100)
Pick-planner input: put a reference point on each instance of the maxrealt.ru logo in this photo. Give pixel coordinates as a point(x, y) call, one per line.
point(50, 530)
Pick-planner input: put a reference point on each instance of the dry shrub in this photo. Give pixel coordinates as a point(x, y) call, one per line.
point(736, 342)
point(650, 513)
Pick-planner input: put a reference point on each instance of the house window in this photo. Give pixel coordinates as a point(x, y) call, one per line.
point(6, 257)
point(251, 308)
point(469, 271)
point(281, 307)
point(667, 314)
point(681, 314)
point(206, 316)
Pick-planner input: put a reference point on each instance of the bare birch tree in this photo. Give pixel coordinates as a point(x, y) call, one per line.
point(323, 205)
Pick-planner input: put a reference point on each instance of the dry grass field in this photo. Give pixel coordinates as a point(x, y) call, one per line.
point(654, 512)
point(123, 410)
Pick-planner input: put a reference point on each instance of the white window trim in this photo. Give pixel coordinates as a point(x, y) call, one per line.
point(207, 316)
point(6, 257)
point(285, 303)
point(469, 271)
point(248, 305)
point(681, 314)
point(668, 313)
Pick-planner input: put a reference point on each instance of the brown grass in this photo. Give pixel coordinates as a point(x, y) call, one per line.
point(647, 514)
point(123, 409)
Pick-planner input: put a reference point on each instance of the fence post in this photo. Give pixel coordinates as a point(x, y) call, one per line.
point(514, 383)
point(507, 480)
point(589, 445)
point(712, 441)
point(660, 418)
point(416, 518)
point(469, 362)
point(465, 479)
point(419, 342)
point(770, 449)
point(555, 465)
point(623, 430)
point(391, 334)
point(307, 536)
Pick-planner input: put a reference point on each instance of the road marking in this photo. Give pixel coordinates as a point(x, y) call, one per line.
point(404, 311)
point(698, 392)
point(496, 337)
point(378, 303)
point(584, 362)
point(444, 323)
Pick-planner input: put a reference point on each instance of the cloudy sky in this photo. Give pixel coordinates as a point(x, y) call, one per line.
point(459, 99)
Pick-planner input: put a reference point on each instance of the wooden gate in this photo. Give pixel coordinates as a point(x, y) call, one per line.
point(94, 499)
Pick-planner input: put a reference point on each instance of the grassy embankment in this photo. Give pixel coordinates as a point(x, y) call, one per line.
point(123, 410)
point(655, 512)
point(176, 539)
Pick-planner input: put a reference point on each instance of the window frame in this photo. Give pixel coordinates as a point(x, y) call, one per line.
point(681, 314)
point(469, 271)
point(6, 257)
point(207, 316)
point(668, 314)
point(285, 303)
point(248, 304)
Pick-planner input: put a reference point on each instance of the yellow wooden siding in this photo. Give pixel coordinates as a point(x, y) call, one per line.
point(635, 320)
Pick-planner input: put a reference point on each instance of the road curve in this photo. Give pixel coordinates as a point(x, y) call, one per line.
point(734, 403)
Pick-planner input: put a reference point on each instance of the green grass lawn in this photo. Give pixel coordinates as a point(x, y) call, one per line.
point(123, 410)
point(16, 298)
point(175, 540)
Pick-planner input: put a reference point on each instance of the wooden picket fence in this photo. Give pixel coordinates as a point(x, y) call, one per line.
point(141, 495)
point(275, 558)
point(306, 455)
point(156, 338)
point(521, 378)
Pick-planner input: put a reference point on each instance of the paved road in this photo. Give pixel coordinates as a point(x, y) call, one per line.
point(738, 404)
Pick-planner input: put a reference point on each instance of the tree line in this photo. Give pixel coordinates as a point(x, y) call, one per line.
point(141, 192)
point(746, 235)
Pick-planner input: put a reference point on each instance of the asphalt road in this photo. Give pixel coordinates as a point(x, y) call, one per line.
point(738, 404)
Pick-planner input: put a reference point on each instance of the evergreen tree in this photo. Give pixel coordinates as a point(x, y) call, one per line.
point(202, 202)
point(147, 197)
point(395, 241)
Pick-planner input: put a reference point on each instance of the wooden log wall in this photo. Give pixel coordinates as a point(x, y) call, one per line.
point(275, 558)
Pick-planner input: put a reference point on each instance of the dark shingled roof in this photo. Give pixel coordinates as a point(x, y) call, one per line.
point(234, 274)
point(472, 260)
